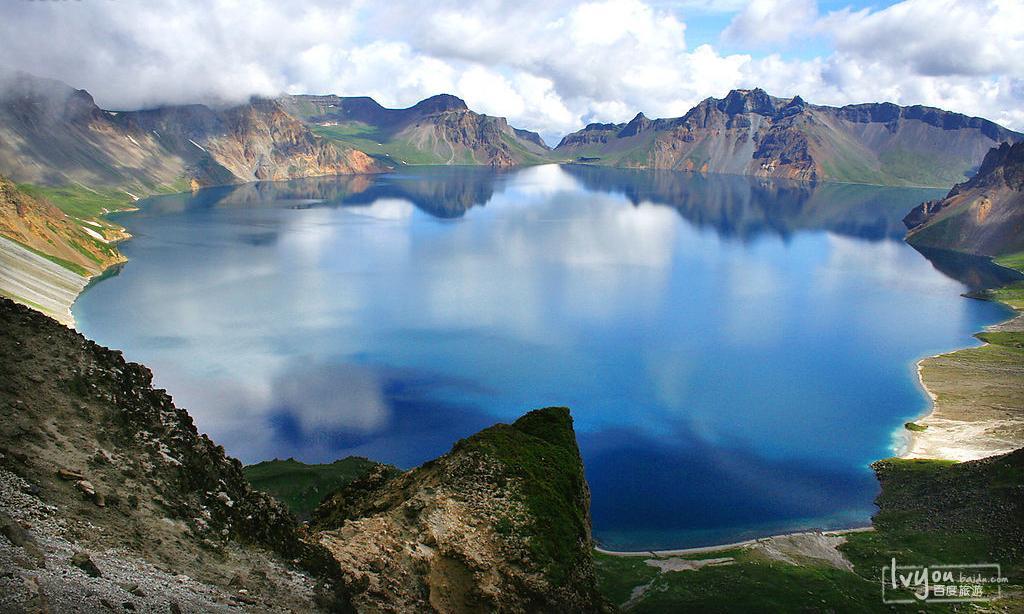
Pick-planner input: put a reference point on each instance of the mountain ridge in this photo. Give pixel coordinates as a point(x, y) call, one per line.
point(441, 129)
point(53, 134)
point(750, 132)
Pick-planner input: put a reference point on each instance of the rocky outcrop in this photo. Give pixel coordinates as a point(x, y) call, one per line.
point(113, 482)
point(438, 130)
point(752, 133)
point(499, 524)
point(982, 216)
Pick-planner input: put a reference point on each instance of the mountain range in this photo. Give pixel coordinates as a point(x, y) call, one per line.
point(67, 162)
point(53, 134)
point(752, 133)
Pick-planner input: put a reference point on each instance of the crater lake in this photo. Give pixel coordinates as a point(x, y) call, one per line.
point(735, 351)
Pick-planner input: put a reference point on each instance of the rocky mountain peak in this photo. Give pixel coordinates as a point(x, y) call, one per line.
point(439, 104)
point(638, 124)
point(1007, 161)
point(748, 101)
point(982, 215)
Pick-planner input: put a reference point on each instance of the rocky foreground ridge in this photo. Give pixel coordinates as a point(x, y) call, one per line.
point(752, 133)
point(110, 500)
point(499, 524)
point(982, 216)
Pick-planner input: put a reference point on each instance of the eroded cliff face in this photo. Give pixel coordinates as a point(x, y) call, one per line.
point(751, 133)
point(53, 134)
point(257, 141)
point(108, 493)
point(501, 524)
point(983, 216)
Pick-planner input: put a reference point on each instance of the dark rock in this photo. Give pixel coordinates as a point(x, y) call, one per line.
point(82, 561)
point(13, 530)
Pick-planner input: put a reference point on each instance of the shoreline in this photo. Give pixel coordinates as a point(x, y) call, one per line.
point(943, 439)
point(969, 428)
point(918, 444)
point(730, 546)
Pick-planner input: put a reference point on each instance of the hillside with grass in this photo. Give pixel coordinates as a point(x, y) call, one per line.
point(500, 523)
point(52, 240)
point(438, 130)
point(303, 487)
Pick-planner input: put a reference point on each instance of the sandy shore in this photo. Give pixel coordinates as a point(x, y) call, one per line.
point(977, 398)
point(795, 537)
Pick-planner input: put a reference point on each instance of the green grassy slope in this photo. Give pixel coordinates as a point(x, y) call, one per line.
point(300, 486)
point(377, 143)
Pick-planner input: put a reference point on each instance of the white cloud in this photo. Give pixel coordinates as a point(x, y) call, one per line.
point(936, 38)
point(547, 65)
point(765, 22)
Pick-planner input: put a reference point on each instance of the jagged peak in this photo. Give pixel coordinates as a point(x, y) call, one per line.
point(748, 101)
point(1007, 158)
point(638, 124)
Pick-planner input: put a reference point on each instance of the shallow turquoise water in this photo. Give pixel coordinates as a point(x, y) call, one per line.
point(735, 351)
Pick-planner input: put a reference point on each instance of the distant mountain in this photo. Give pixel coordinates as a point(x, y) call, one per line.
point(438, 130)
point(983, 216)
point(751, 133)
point(52, 134)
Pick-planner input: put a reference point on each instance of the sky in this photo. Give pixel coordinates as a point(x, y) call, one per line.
point(547, 65)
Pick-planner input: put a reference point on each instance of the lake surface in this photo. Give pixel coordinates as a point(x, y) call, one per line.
point(735, 351)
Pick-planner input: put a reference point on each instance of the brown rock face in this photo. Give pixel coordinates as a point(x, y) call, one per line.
point(499, 524)
point(262, 142)
point(983, 216)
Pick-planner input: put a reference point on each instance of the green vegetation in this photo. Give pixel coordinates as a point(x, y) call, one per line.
point(81, 202)
point(940, 512)
point(931, 512)
point(1012, 261)
point(302, 487)
point(539, 451)
point(375, 142)
point(618, 576)
point(913, 426)
point(917, 167)
point(749, 583)
point(1011, 339)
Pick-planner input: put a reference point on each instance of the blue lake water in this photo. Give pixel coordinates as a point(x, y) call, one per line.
point(735, 351)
